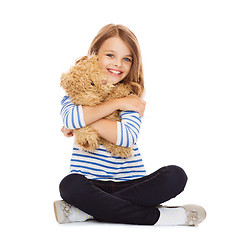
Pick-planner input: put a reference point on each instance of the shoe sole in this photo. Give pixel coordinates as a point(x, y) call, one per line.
point(55, 211)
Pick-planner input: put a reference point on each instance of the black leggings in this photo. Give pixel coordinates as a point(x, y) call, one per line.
point(131, 202)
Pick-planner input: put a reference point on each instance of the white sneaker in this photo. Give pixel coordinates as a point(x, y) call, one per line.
point(187, 215)
point(195, 214)
point(65, 213)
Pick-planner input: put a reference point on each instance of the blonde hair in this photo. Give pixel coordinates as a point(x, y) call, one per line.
point(128, 37)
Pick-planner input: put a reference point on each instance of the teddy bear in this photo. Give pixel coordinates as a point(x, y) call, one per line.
point(88, 85)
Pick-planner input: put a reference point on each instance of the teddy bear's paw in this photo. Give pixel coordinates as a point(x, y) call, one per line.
point(87, 140)
point(118, 151)
point(123, 152)
point(87, 143)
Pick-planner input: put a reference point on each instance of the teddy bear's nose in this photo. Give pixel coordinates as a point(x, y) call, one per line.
point(104, 82)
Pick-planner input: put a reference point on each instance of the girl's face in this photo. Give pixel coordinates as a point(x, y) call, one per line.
point(115, 59)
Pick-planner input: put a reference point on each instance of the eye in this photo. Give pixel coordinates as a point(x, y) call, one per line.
point(110, 55)
point(92, 84)
point(127, 59)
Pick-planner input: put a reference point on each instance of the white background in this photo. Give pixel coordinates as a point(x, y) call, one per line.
point(191, 59)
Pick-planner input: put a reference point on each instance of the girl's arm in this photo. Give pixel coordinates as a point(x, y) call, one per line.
point(67, 132)
point(131, 103)
point(107, 129)
point(124, 133)
point(72, 115)
point(80, 116)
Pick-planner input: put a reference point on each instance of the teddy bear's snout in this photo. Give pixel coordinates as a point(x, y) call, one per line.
point(104, 82)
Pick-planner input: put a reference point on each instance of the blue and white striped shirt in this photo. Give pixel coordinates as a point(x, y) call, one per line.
point(100, 165)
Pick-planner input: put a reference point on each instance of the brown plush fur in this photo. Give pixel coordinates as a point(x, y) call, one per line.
point(86, 84)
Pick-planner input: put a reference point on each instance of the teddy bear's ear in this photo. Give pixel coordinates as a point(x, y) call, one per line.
point(136, 88)
point(64, 81)
point(79, 60)
point(69, 81)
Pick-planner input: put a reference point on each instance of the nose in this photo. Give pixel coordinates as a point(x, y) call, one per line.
point(117, 63)
point(104, 82)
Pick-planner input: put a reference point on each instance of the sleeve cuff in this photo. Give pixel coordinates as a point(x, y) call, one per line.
point(81, 116)
point(119, 127)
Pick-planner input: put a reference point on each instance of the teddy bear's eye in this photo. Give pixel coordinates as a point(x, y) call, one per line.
point(92, 84)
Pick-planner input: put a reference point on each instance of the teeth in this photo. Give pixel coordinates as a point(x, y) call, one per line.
point(115, 72)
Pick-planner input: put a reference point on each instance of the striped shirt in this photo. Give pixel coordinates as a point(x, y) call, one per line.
point(100, 165)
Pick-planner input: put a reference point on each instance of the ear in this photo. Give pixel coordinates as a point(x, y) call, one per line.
point(136, 88)
point(70, 82)
point(70, 79)
point(81, 59)
point(64, 81)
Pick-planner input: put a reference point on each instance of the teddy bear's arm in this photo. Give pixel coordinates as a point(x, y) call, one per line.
point(118, 151)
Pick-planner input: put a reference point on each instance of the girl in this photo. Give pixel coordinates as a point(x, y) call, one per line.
point(114, 189)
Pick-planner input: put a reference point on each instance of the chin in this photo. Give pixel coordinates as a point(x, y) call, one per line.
point(115, 81)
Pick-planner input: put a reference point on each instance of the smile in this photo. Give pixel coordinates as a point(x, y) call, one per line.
point(114, 71)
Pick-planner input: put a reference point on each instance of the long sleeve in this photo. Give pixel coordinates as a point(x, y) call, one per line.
point(128, 128)
point(72, 115)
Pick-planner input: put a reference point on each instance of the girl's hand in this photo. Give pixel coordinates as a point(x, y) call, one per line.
point(132, 103)
point(67, 132)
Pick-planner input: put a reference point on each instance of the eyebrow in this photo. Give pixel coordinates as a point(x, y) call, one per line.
point(115, 52)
